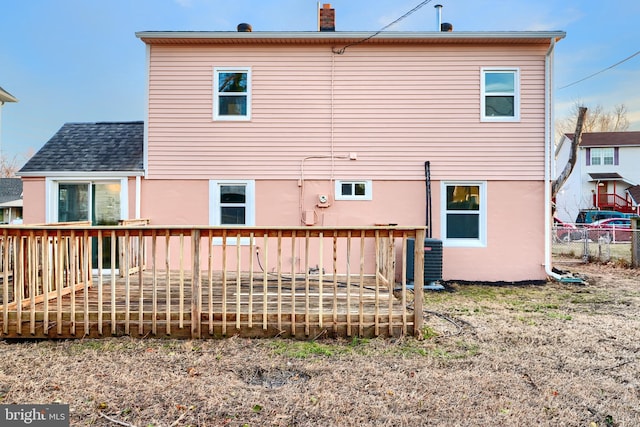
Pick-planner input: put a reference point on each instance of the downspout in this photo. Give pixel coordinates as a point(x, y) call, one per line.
point(548, 141)
point(138, 197)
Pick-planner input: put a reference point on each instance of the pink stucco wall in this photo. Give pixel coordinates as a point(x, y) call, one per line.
point(515, 225)
point(33, 190)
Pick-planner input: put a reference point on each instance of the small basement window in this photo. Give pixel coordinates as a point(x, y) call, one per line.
point(354, 190)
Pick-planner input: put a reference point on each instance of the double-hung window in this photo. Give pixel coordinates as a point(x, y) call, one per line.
point(602, 156)
point(464, 214)
point(232, 93)
point(353, 190)
point(232, 203)
point(500, 99)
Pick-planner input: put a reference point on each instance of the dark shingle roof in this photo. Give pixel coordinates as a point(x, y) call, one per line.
point(635, 193)
point(10, 189)
point(608, 139)
point(91, 147)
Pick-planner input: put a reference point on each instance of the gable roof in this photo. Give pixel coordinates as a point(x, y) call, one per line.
point(90, 147)
point(10, 189)
point(634, 192)
point(608, 139)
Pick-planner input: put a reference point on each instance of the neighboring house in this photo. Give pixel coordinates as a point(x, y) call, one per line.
point(335, 128)
point(10, 200)
point(606, 175)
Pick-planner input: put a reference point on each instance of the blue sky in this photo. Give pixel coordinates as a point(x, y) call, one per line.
point(79, 60)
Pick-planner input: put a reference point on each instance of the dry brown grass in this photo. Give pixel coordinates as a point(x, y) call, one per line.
point(558, 354)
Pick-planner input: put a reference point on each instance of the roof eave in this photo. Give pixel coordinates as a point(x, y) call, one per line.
point(79, 174)
point(233, 37)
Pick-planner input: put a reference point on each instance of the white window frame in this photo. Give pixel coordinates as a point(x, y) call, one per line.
point(52, 186)
point(481, 241)
point(215, 217)
point(601, 154)
point(515, 94)
point(368, 189)
point(217, 94)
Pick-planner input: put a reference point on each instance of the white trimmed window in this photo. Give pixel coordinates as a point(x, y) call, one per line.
point(464, 214)
point(500, 100)
point(602, 156)
point(354, 190)
point(232, 202)
point(231, 93)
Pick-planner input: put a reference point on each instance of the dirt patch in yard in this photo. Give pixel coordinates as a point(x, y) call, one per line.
point(554, 354)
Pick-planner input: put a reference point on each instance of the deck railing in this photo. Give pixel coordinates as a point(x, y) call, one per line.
point(202, 282)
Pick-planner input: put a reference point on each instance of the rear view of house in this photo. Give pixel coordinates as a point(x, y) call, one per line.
point(449, 130)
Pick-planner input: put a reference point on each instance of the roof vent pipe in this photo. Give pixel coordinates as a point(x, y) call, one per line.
point(244, 28)
point(438, 17)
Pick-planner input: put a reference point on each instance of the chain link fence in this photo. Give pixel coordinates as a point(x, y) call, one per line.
point(588, 244)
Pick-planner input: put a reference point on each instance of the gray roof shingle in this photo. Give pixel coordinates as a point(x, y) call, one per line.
point(10, 189)
point(91, 147)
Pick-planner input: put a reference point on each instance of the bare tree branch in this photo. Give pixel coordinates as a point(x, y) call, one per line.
point(573, 154)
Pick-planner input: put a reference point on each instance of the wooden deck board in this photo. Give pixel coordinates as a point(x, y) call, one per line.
point(351, 305)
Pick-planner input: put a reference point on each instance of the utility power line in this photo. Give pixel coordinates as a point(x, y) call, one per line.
point(601, 71)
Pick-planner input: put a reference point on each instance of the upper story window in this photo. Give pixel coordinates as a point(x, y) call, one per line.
point(500, 100)
point(232, 94)
point(354, 190)
point(602, 156)
point(464, 214)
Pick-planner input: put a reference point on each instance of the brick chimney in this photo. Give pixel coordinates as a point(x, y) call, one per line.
point(327, 18)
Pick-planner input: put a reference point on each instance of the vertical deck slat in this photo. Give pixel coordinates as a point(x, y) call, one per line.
point(210, 279)
point(335, 282)
point(59, 279)
point(86, 277)
point(127, 283)
point(403, 279)
point(252, 253)
point(279, 270)
point(32, 275)
point(224, 283)
point(307, 313)
point(349, 283)
point(139, 263)
point(154, 283)
point(114, 321)
point(238, 280)
point(196, 291)
point(265, 283)
point(361, 282)
point(5, 281)
point(167, 269)
point(376, 303)
point(100, 281)
point(18, 280)
point(320, 277)
point(293, 283)
point(73, 251)
point(45, 280)
point(391, 277)
point(181, 283)
point(418, 281)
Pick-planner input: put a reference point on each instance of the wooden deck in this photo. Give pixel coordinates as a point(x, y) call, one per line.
point(51, 294)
